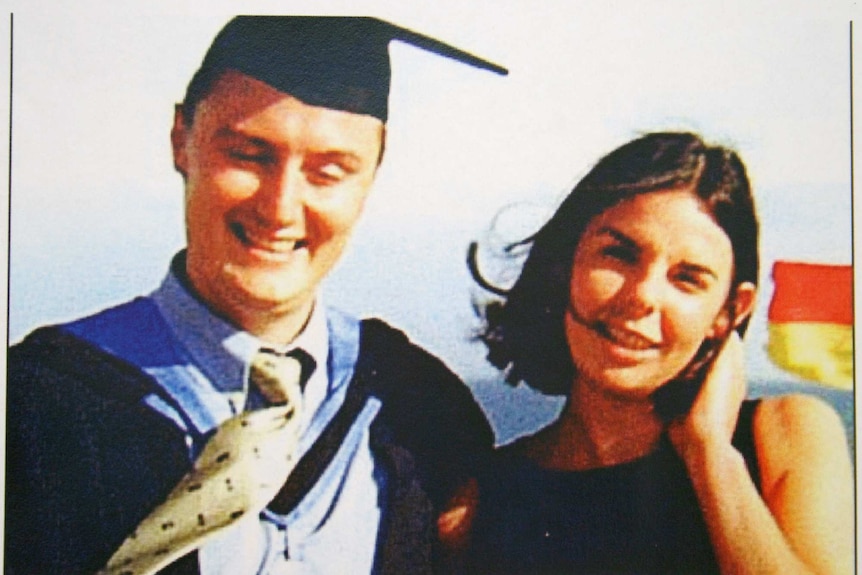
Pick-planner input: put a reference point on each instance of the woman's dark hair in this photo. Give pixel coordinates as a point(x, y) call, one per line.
point(525, 333)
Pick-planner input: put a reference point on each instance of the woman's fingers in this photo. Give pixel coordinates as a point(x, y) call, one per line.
point(715, 411)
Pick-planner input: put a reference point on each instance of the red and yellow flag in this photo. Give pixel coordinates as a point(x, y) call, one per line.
point(811, 322)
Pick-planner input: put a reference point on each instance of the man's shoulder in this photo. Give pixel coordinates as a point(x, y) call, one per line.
point(51, 354)
point(81, 444)
point(137, 315)
point(131, 317)
point(383, 345)
point(82, 356)
point(413, 381)
point(135, 332)
point(383, 333)
point(111, 316)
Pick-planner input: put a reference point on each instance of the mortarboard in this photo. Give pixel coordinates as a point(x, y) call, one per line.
point(331, 61)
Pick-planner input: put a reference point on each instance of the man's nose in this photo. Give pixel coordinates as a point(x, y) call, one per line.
point(282, 198)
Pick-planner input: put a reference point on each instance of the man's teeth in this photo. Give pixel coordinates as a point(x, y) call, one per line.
point(627, 338)
point(271, 244)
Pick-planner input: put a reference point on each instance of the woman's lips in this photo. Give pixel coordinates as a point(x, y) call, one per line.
point(625, 337)
point(618, 335)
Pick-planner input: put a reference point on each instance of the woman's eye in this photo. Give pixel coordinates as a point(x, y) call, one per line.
point(691, 281)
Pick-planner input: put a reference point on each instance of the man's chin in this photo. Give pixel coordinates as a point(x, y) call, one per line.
point(276, 298)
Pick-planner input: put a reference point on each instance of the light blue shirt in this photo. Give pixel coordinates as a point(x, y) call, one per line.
point(205, 371)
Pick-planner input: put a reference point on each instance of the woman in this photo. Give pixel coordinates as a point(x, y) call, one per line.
point(632, 303)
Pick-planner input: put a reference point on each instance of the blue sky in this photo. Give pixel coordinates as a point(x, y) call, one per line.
point(97, 209)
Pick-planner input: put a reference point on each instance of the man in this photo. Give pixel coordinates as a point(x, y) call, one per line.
point(278, 141)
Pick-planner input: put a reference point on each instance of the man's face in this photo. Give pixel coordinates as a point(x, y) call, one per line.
point(273, 189)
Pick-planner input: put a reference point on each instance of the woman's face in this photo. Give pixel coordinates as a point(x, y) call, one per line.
point(649, 282)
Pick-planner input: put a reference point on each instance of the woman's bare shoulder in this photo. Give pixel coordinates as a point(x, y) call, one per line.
point(795, 417)
point(798, 433)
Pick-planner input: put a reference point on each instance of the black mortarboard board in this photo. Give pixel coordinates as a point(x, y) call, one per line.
point(331, 61)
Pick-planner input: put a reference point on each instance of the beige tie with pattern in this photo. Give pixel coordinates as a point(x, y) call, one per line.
point(240, 470)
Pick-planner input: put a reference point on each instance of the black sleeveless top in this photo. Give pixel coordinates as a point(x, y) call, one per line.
point(638, 517)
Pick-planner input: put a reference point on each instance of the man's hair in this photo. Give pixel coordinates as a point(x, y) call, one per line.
point(524, 333)
point(199, 88)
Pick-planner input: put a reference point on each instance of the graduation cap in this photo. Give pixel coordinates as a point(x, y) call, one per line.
point(331, 61)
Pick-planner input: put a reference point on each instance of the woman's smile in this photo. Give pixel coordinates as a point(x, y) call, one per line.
point(625, 338)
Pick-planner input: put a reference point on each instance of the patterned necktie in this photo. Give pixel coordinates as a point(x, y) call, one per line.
point(240, 470)
point(277, 376)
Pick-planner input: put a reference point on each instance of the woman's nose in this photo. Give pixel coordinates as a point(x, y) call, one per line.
point(643, 292)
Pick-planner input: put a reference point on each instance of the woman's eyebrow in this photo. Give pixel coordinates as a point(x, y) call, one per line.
point(689, 266)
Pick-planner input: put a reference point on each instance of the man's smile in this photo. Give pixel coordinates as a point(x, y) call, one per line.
point(271, 243)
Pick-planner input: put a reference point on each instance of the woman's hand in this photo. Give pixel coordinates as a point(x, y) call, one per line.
point(712, 418)
point(799, 518)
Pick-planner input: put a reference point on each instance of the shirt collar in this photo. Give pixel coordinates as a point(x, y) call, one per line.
point(220, 350)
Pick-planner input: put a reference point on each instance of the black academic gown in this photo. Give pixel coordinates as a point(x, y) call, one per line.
point(87, 460)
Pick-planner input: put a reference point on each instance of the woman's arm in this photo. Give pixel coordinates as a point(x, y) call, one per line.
point(808, 479)
point(803, 523)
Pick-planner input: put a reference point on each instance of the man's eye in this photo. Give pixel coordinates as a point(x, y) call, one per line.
point(254, 156)
point(619, 252)
point(327, 174)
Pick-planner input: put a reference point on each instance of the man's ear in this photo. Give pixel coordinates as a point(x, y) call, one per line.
point(179, 135)
point(741, 306)
point(382, 145)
